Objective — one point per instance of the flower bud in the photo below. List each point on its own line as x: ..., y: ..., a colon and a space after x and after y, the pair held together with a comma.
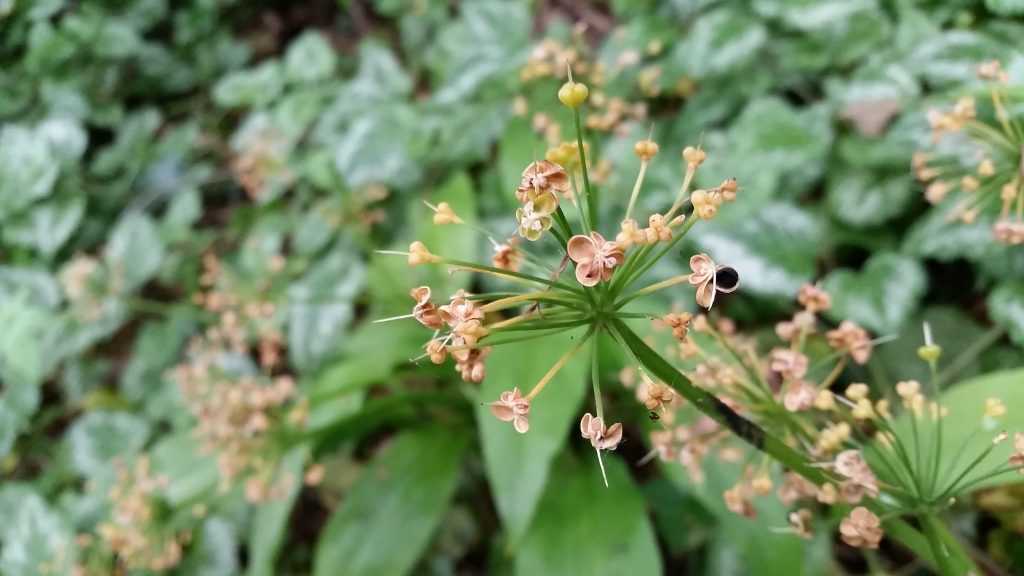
x: 929, y: 353
x: 445, y: 215
x: 646, y: 149
x: 573, y: 94
x: 418, y: 254
x: 694, y: 157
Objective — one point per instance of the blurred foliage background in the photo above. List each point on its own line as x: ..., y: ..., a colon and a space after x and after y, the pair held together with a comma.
x: 158, y: 158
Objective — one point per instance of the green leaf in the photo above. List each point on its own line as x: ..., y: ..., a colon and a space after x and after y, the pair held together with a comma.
x: 28, y: 169
x: 934, y: 236
x: 134, y: 251
x: 759, y: 549
x: 270, y: 522
x: 518, y: 465
x: 47, y: 226
x: 836, y: 32
x: 952, y: 57
x: 257, y: 86
x: 1006, y: 7
x: 310, y: 58
x: 387, y: 519
x: 381, y: 147
x: 772, y: 149
x: 881, y: 296
x: 861, y: 198
x: 97, y: 439
x: 216, y: 551
x: 583, y: 527
x: 485, y: 45
x: 189, y: 473
x: 33, y: 535
x: 455, y: 241
x: 320, y: 307
x: 720, y: 41
x: 1006, y: 306
x: 773, y: 249
x: 964, y: 424
x: 66, y: 136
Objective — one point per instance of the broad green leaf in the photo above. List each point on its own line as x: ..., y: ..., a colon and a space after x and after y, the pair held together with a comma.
x: 135, y: 135
x: 1006, y: 7
x: 215, y: 553
x: 381, y: 147
x: 28, y: 169
x: 320, y: 307
x: 518, y: 465
x: 33, y: 536
x: 270, y: 522
x: 484, y: 46
x: 964, y: 429
x: 66, y: 136
x: 47, y: 226
x: 881, y: 296
x: 837, y: 32
x: 454, y: 241
x: 1006, y: 305
x: 98, y: 439
x: 773, y: 249
x: 759, y: 547
x: 310, y: 58
x: 257, y: 86
x: 773, y: 149
x: 952, y: 57
x: 22, y: 361
x: 720, y: 41
x: 369, y: 356
x: 134, y: 251
x: 860, y: 198
x: 386, y: 521
x: 583, y: 527
x: 190, y: 473
x: 35, y: 284
x: 934, y: 236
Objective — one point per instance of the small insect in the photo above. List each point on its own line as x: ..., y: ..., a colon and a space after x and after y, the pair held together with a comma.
x: 653, y: 416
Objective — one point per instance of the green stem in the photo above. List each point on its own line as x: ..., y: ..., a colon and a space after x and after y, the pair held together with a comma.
x: 949, y: 555
x: 716, y: 409
x: 595, y: 376
x: 590, y: 194
x: 563, y: 223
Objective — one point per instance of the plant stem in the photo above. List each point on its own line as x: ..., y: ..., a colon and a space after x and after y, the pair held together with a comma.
x: 591, y: 196
x: 950, y: 557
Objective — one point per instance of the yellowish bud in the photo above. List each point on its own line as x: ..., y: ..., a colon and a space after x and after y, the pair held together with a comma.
x: 573, y: 94
x: 445, y: 215
x: 929, y: 353
x: 694, y: 156
x: 418, y: 254
x: 646, y: 149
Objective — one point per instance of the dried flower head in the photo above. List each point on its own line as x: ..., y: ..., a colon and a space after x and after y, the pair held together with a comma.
x: 595, y: 258
x: 710, y: 279
x: 861, y: 529
x: 512, y: 407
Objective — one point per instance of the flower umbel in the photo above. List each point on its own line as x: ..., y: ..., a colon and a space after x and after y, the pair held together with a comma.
x: 978, y: 151
x: 544, y: 298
